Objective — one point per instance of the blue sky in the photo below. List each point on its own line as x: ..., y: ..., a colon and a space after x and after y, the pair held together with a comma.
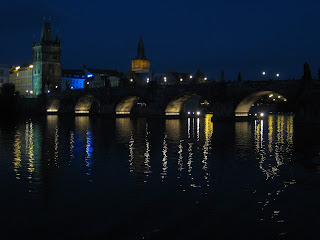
x: 230, y: 35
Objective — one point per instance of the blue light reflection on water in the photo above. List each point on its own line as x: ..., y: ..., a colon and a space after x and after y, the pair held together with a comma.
x: 119, y: 170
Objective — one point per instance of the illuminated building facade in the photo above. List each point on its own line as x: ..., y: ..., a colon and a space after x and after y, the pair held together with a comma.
x: 98, y: 78
x: 4, y: 74
x: 140, y: 64
x: 21, y: 77
x: 46, y: 62
x: 72, y: 79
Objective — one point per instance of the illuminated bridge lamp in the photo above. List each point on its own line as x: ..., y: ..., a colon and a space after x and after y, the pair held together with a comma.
x: 190, y: 76
x: 181, y: 79
x: 205, y: 79
x: 263, y: 73
x: 277, y: 75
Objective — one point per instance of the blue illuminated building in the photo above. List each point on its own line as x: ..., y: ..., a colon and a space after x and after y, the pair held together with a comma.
x: 72, y: 79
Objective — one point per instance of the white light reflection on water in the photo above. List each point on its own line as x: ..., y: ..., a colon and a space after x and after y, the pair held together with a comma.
x: 147, y: 153
x: 180, y: 159
x: 71, y: 146
x: 131, y: 154
x: 56, y: 147
x: 165, y: 157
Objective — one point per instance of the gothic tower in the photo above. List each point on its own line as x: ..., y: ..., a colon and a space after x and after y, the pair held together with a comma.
x: 141, y: 64
x: 46, y: 62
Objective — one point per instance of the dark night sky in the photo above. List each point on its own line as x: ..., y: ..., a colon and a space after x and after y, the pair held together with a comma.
x: 234, y: 35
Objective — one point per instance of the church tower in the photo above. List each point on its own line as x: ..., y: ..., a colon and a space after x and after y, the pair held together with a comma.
x: 46, y: 75
x: 141, y: 64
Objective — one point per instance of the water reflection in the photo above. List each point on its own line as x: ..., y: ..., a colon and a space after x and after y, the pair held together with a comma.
x: 17, y: 154
x: 83, y: 143
x: 29, y: 136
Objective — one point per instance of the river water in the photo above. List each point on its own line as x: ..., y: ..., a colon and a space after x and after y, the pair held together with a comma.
x: 120, y: 178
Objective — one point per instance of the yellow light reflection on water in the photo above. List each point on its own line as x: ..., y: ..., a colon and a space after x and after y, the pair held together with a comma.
x: 29, y: 135
x: 17, y: 154
x: 277, y: 147
x: 208, y: 131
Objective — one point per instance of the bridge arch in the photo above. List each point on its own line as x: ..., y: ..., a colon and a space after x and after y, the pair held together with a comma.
x: 243, y: 108
x: 53, y: 105
x: 176, y: 106
x: 125, y: 106
x: 87, y: 104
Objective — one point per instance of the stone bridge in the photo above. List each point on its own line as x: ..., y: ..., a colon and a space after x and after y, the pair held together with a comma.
x: 227, y: 99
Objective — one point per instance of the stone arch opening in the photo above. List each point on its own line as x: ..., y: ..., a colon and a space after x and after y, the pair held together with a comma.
x: 244, y: 107
x: 87, y: 104
x: 125, y: 106
x: 53, y: 105
x: 185, y: 104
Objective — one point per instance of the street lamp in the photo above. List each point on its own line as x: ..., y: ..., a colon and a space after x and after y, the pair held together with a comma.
x: 277, y: 75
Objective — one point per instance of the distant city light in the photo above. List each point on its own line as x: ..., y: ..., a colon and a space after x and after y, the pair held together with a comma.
x: 271, y: 95
x: 190, y: 76
x: 198, y: 113
x: 279, y: 97
x: 56, y: 86
x: 131, y: 80
x: 277, y: 74
x: 48, y: 91
x: 261, y: 114
x: 89, y: 75
x: 27, y: 91
x: 205, y: 79
x: 31, y: 66
x: 181, y: 79
x: 31, y: 92
x: 17, y: 68
x: 147, y: 80
x: 189, y: 113
x: 71, y: 87
x: 263, y: 73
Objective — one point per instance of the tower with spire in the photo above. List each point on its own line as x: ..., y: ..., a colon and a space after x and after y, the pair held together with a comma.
x: 141, y: 64
x: 46, y: 75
